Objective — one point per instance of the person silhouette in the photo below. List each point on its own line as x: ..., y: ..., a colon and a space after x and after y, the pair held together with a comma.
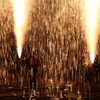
x: 32, y: 64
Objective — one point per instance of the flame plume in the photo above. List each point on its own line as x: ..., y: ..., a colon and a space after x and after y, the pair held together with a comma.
x: 20, y: 22
x: 91, y: 19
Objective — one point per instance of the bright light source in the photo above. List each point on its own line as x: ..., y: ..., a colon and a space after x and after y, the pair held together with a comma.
x: 21, y: 10
x: 19, y: 21
x: 92, y: 57
x: 91, y: 12
x: 19, y: 50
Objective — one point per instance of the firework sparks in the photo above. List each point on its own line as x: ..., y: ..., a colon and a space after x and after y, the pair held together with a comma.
x: 91, y: 18
x: 20, y: 21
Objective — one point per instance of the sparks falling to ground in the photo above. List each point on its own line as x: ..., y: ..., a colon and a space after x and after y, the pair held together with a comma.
x: 91, y: 19
x: 20, y: 21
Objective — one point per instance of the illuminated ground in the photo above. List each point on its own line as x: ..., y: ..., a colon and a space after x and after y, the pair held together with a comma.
x: 10, y: 92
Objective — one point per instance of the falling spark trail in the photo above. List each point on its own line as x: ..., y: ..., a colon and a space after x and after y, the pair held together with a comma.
x: 91, y: 18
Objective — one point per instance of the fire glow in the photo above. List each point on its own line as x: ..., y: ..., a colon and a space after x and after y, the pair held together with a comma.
x: 91, y: 18
x: 20, y: 22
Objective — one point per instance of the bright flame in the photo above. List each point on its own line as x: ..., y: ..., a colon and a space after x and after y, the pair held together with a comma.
x: 19, y: 50
x: 91, y: 19
x: 92, y: 57
x: 20, y: 21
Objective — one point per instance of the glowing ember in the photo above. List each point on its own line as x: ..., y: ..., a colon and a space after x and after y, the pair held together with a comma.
x: 92, y: 57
